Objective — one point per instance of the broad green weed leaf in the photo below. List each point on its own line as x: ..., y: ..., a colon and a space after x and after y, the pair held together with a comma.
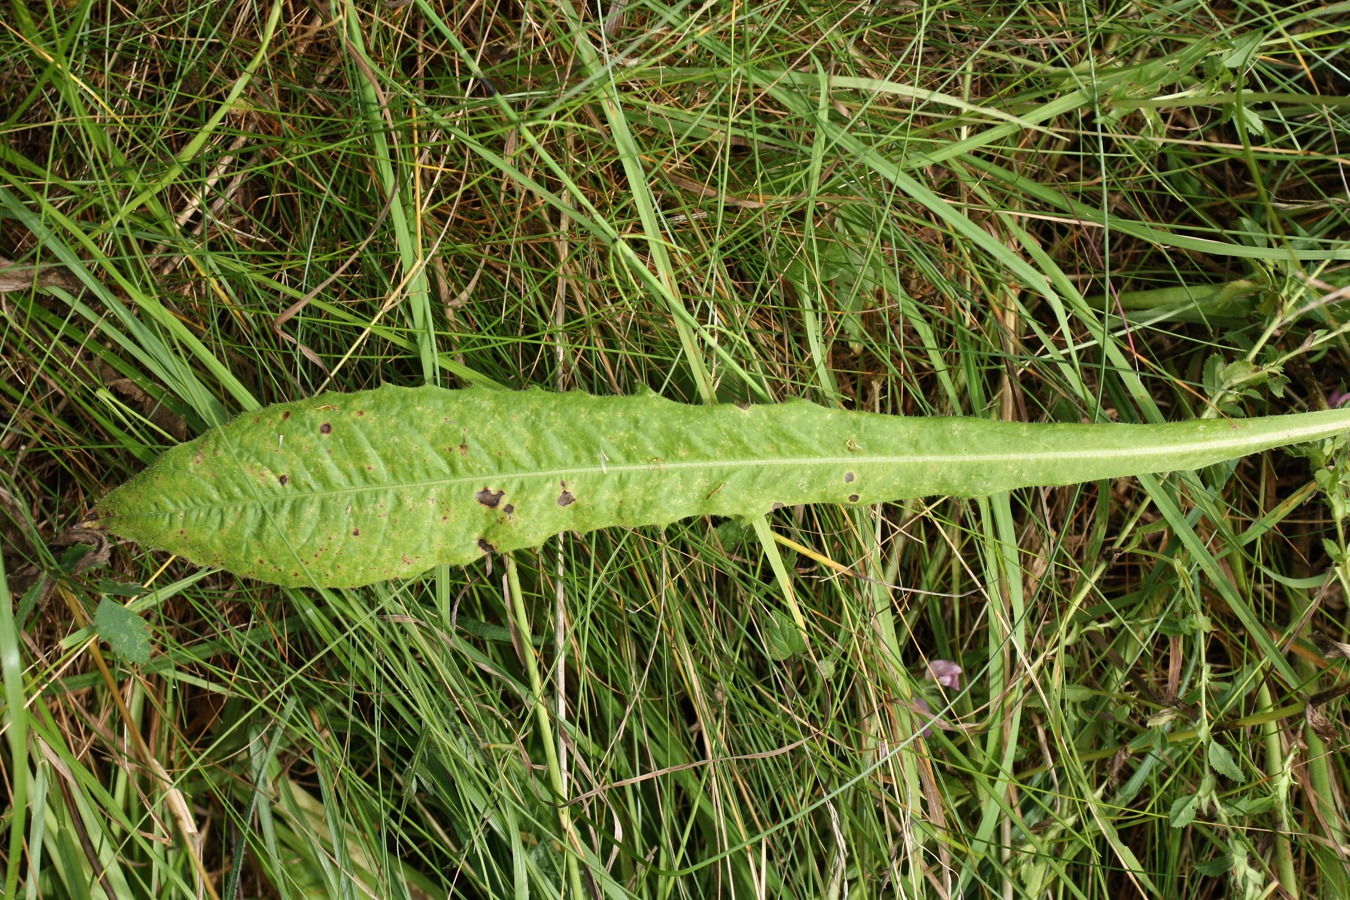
x: 126, y: 633
x: 348, y: 489
x: 71, y: 556
x: 1222, y: 761
x: 782, y: 635
x: 1183, y: 811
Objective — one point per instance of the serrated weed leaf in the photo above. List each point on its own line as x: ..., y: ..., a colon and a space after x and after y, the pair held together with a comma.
x: 127, y: 634
x: 348, y: 489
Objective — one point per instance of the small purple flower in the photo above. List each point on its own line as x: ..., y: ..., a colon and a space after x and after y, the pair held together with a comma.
x: 946, y: 673
x: 1338, y: 399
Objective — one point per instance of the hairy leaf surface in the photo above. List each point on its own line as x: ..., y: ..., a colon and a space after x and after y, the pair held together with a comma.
x: 348, y: 489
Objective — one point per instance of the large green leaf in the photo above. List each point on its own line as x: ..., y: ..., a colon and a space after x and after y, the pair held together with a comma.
x: 349, y: 489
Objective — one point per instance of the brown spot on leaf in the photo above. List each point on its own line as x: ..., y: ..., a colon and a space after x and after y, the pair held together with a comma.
x: 286, y: 415
x: 464, y: 450
x: 360, y: 412
x: 283, y: 479
x: 852, y: 498
x: 566, y: 498
x: 509, y: 509
x: 485, y: 546
x: 326, y: 428
x: 849, y: 477
x: 489, y: 498
x: 356, y: 532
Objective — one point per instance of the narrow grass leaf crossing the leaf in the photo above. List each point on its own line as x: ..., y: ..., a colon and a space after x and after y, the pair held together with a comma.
x: 344, y: 490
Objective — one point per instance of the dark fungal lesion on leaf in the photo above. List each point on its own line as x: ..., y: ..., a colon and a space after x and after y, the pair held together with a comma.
x: 282, y: 479
x: 849, y: 477
x: 489, y: 498
x: 486, y: 546
x: 566, y: 498
x: 326, y: 428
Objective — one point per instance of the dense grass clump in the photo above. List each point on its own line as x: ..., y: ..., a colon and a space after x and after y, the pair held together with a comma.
x: 1028, y: 212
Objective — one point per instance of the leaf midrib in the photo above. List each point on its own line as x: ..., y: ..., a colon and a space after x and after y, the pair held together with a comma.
x: 1235, y: 443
